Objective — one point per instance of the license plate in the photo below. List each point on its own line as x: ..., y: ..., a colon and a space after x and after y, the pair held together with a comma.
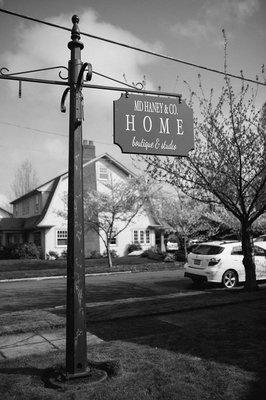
x: 196, y: 262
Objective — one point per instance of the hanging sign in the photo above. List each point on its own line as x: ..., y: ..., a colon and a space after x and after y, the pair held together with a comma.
x: 153, y: 125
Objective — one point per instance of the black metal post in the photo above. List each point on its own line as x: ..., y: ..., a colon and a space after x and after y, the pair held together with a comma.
x: 76, y: 343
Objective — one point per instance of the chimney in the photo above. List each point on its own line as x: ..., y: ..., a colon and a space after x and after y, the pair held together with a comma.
x: 88, y: 151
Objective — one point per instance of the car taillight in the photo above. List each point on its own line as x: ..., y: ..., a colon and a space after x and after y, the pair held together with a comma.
x: 213, y: 261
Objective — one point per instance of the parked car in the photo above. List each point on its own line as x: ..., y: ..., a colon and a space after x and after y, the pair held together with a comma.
x: 222, y: 262
x: 261, y: 238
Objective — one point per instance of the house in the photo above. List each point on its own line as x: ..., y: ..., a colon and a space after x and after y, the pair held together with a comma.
x: 4, y: 213
x: 38, y: 215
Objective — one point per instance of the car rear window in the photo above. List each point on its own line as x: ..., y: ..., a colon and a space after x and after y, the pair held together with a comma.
x: 237, y: 251
x: 207, y: 249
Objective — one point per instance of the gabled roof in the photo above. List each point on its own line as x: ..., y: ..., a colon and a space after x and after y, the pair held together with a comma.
x: 113, y: 161
x: 30, y: 222
x: 104, y: 156
x: 5, y: 211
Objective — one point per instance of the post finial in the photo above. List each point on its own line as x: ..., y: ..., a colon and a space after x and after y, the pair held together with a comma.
x: 75, y: 33
x: 75, y: 19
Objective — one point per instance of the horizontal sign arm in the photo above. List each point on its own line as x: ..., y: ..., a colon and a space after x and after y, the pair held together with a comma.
x: 89, y: 86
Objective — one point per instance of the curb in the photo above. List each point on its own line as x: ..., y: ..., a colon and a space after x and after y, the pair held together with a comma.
x: 42, y: 278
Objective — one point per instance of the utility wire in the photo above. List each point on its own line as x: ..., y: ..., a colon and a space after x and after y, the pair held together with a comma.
x: 40, y: 131
x: 134, y: 48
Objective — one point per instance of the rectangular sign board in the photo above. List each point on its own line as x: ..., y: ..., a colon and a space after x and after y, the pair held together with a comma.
x: 155, y: 125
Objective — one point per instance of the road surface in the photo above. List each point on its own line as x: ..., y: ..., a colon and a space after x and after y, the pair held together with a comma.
x: 23, y: 295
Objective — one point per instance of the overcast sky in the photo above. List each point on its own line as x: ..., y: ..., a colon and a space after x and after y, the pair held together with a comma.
x: 186, y: 29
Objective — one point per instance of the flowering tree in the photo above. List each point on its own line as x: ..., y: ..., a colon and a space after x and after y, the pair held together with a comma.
x: 190, y: 218
x: 110, y: 212
x: 227, y: 166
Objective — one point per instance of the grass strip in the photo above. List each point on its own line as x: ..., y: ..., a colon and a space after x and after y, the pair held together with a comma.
x: 58, y: 267
x: 147, y: 374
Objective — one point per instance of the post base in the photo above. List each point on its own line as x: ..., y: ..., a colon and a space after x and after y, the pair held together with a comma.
x: 59, y: 379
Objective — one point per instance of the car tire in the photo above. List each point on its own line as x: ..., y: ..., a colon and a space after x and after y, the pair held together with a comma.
x: 230, y: 279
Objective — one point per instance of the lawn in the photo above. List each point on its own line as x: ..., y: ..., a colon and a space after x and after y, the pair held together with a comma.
x: 14, y: 269
x: 208, y: 354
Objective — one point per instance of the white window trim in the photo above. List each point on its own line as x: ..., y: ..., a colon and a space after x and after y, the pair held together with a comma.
x: 56, y: 237
x: 99, y: 166
x: 145, y: 242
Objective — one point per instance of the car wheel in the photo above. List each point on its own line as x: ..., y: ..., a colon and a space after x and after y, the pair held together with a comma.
x: 230, y: 279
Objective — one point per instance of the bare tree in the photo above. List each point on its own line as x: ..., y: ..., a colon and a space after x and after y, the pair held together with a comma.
x: 227, y: 166
x: 110, y: 212
x: 25, y: 179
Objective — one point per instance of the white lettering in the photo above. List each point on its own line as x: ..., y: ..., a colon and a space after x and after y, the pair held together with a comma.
x: 144, y: 123
x: 168, y: 146
x: 142, y: 143
x: 173, y: 109
x: 131, y: 123
x: 138, y: 105
x: 164, y: 128
x: 180, y: 127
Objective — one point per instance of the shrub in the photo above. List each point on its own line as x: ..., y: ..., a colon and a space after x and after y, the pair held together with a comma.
x: 180, y: 255
x: 63, y: 254
x: 53, y: 255
x: 21, y: 251
x: 112, y: 252
x: 170, y: 257
x: 95, y: 254
x: 133, y: 247
x: 153, y: 253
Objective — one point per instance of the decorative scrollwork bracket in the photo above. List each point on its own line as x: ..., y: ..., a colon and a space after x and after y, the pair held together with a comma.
x: 81, y: 72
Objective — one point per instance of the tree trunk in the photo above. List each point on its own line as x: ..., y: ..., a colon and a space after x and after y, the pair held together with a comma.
x: 185, y: 246
x: 109, y: 257
x: 248, y: 260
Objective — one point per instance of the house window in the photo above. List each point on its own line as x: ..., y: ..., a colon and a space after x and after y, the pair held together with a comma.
x: 37, y: 205
x: 15, y: 210
x: 103, y: 173
x: 25, y: 207
x: 147, y: 237
x: 113, y: 240
x: 141, y: 236
x: 61, y: 238
x: 135, y: 236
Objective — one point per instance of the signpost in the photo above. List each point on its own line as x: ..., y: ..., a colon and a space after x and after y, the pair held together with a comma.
x: 144, y: 123
x: 154, y: 125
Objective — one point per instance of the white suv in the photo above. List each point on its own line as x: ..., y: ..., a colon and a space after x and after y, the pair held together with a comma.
x: 222, y: 262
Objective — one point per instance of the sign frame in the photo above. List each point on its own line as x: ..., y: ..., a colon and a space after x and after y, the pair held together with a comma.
x: 135, y: 115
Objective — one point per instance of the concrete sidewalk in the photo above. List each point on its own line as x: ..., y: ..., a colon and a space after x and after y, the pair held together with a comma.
x: 26, y: 344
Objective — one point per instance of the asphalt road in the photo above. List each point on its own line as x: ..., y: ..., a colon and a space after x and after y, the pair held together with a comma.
x: 23, y: 295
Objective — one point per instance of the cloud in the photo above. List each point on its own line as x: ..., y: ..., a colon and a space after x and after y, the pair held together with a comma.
x: 215, y: 14
x: 38, y: 46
